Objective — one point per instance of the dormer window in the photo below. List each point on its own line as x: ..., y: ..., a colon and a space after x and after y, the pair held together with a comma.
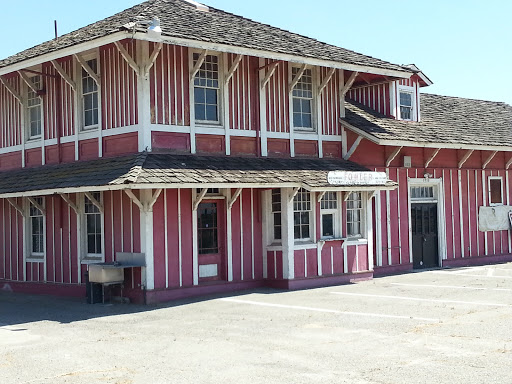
x: 407, y: 101
x: 406, y: 105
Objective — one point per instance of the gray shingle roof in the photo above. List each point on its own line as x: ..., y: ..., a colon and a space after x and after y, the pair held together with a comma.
x: 149, y: 168
x: 182, y: 20
x: 444, y: 120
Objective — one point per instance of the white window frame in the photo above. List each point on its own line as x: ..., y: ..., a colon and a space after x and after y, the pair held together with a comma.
x: 86, y: 256
x: 81, y: 104
x: 28, y: 121
x: 221, y: 89
x: 314, y: 110
x: 272, y: 220
x: 412, y: 92
x: 362, y: 218
x: 489, y: 190
x: 34, y: 256
x: 311, y: 216
x: 335, y: 212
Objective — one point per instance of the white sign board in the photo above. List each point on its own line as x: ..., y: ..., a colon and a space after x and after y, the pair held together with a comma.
x: 356, y: 178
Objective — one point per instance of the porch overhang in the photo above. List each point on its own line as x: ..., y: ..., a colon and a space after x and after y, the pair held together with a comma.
x: 145, y: 171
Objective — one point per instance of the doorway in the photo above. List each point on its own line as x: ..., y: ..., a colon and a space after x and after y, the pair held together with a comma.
x: 425, y: 244
x: 210, y: 241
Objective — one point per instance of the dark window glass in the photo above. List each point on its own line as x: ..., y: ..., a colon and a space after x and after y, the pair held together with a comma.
x: 207, y: 230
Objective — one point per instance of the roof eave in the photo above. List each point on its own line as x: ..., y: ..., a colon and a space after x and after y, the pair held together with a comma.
x: 120, y: 35
x: 422, y: 144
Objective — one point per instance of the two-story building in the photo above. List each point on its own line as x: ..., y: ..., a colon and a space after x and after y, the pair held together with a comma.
x: 234, y: 154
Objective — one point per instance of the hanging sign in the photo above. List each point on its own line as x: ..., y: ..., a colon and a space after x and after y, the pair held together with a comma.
x: 356, y: 178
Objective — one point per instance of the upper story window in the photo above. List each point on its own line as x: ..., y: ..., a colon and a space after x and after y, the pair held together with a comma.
x: 302, y: 100
x: 34, y: 109
x: 329, y: 214
x: 207, y: 90
x: 302, y: 215
x: 407, y: 102
x: 90, y: 103
x: 495, y: 190
x: 93, y: 226
x: 354, y: 215
x: 36, y: 229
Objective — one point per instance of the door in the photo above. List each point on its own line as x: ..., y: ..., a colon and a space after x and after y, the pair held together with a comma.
x: 210, y: 241
x: 424, y: 235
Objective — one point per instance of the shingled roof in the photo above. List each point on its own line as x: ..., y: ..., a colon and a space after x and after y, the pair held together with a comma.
x: 172, y: 170
x: 180, y: 19
x: 444, y: 121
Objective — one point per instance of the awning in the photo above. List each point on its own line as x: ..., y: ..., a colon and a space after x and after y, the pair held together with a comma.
x: 158, y: 170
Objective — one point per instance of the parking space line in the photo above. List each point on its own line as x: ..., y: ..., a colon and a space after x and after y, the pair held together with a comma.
x: 452, y: 287
x: 439, y: 286
x: 421, y: 299
x: 470, y: 275
x: 312, y: 309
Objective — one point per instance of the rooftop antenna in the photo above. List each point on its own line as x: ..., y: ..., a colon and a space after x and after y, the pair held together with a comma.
x: 55, y: 26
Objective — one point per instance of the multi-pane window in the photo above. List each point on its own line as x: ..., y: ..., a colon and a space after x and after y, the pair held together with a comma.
x: 207, y: 229
x: 406, y: 105
x: 34, y: 109
x: 354, y: 214
x: 90, y: 106
x: 301, y: 214
x: 276, y: 213
x: 422, y: 193
x: 207, y: 89
x: 93, y: 228
x: 36, y: 228
x: 302, y: 99
x: 328, y: 208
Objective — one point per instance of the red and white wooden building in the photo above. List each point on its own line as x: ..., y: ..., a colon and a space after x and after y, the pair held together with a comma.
x: 208, y: 150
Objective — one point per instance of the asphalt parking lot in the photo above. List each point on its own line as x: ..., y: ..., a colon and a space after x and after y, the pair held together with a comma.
x: 440, y: 326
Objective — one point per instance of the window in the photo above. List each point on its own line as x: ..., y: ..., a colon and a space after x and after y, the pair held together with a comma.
x: 302, y: 100
x: 209, y: 191
x: 276, y: 213
x: 406, y: 99
x: 354, y: 214
x: 36, y: 222
x: 495, y: 190
x: 207, y: 90
x: 93, y: 227
x: 328, y: 210
x: 207, y: 229
x: 422, y: 193
x: 301, y: 215
x: 90, y: 104
x: 34, y: 109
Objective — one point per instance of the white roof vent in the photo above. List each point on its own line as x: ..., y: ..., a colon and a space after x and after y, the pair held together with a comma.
x: 199, y: 6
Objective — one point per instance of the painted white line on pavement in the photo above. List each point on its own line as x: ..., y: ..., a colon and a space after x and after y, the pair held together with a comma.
x: 298, y: 307
x: 452, y: 287
x: 439, y: 286
x: 420, y: 299
x: 467, y: 274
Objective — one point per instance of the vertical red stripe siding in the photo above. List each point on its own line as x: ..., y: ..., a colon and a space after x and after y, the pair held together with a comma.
x: 169, y: 86
x: 10, y: 114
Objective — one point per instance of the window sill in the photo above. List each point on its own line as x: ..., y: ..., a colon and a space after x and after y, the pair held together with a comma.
x: 304, y: 245
x: 90, y: 260
x: 35, y: 259
x: 356, y: 241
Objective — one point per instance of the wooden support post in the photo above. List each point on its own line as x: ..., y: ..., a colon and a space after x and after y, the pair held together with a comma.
x: 465, y: 157
x: 429, y: 160
x: 393, y: 156
x: 353, y: 148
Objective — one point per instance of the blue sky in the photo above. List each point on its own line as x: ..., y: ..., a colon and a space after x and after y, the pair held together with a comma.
x: 464, y: 47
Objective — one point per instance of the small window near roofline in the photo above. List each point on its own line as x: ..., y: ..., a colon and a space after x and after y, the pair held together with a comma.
x: 495, y: 190
x: 406, y: 106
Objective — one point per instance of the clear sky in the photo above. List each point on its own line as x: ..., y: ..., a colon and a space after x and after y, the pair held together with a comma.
x: 463, y: 46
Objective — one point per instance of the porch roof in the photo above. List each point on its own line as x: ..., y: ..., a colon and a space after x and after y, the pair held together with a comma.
x: 157, y: 170
x: 446, y: 122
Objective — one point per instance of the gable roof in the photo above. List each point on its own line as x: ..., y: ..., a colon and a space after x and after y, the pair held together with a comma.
x: 160, y: 170
x: 446, y: 122
x: 181, y: 19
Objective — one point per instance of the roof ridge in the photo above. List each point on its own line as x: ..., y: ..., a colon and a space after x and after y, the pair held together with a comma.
x: 136, y: 169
